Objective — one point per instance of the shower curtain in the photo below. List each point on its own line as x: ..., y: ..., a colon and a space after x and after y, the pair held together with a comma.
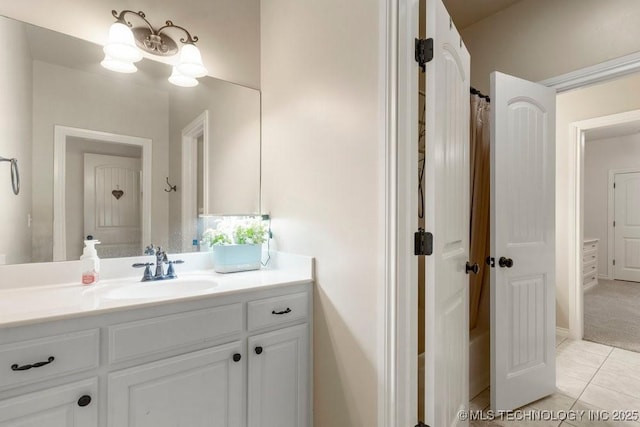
x: 480, y: 203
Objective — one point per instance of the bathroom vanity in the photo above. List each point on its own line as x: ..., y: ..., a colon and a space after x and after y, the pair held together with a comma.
x: 205, y: 350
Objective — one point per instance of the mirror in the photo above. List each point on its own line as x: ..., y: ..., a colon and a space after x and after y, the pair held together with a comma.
x: 128, y: 158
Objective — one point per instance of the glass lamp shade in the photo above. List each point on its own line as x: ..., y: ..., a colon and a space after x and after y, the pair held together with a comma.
x: 190, y: 63
x: 179, y: 79
x: 121, y: 45
x: 119, y: 66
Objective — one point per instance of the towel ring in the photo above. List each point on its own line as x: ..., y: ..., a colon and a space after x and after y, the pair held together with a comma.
x: 15, y: 174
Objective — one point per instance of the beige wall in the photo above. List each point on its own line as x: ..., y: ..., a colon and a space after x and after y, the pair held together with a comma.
x: 15, y: 142
x: 594, y: 101
x: 600, y: 157
x: 229, y: 30
x: 62, y: 96
x: 538, y: 39
x: 322, y: 182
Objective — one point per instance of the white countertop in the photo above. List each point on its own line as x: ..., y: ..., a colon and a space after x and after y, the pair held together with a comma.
x: 20, y: 305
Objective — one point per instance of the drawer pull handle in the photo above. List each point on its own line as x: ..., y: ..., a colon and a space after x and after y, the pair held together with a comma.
x: 33, y: 365
x: 84, y: 401
x: 258, y: 350
x: 237, y: 357
x: 288, y: 310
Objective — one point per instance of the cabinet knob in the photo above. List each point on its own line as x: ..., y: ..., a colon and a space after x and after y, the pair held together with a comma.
x: 84, y: 400
x: 258, y: 350
x: 505, y: 262
x: 237, y: 357
x: 472, y: 268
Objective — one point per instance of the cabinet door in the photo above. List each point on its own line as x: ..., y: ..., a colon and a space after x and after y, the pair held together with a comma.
x: 200, y: 389
x: 278, y: 378
x: 54, y: 407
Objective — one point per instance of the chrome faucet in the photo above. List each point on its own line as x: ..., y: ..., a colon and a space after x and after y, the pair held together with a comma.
x: 161, y: 259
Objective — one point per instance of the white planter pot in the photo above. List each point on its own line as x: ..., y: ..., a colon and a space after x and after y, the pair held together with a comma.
x: 232, y: 258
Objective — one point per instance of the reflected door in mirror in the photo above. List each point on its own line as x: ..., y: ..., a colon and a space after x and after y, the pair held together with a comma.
x: 112, y: 204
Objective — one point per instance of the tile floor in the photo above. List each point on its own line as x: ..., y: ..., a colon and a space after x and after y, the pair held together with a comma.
x: 589, y: 376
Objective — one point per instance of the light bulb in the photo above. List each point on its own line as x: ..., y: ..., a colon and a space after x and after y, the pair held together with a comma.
x: 119, y: 66
x: 121, y: 45
x: 179, y: 79
x: 190, y: 63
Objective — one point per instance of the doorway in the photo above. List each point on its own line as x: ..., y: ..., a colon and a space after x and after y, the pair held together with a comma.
x: 70, y: 145
x: 611, y: 247
x: 195, y: 179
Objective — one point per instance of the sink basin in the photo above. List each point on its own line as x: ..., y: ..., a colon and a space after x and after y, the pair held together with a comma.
x: 161, y: 288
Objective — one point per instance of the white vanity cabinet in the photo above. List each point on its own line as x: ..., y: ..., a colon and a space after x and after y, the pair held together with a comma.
x: 190, y: 363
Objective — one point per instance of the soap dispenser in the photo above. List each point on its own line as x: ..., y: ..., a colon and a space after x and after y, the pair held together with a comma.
x: 90, y: 262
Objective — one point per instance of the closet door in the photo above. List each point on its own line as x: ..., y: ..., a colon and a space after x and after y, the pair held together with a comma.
x: 523, y: 320
x: 447, y: 210
x: 627, y: 226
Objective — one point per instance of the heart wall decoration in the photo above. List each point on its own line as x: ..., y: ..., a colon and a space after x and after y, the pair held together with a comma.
x: 117, y: 194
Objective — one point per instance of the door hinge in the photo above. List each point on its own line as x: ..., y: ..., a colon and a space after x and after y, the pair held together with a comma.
x: 424, y: 52
x: 614, y: 262
x: 422, y: 242
x: 614, y: 223
x: 614, y: 185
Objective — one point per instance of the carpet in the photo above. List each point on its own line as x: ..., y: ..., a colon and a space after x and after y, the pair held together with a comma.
x: 612, y: 314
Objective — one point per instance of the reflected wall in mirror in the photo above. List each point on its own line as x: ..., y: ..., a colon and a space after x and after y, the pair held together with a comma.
x: 83, y: 134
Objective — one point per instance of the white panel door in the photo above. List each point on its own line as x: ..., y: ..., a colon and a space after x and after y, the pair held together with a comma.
x: 278, y: 378
x: 200, y: 389
x: 523, y: 321
x: 627, y: 227
x: 55, y: 407
x: 447, y: 205
x: 112, y: 201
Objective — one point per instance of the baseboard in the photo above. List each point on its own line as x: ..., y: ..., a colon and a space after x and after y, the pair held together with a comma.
x: 562, y: 332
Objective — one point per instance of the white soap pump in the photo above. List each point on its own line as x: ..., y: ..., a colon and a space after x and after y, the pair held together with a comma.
x: 90, y: 262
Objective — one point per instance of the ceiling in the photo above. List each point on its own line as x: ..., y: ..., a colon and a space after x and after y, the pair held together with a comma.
x: 468, y: 12
x: 612, y: 131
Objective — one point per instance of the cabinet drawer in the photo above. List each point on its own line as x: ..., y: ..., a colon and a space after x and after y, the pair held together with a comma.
x: 52, y: 356
x: 587, y: 279
x: 142, y: 338
x: 590, y: 267
x: 589, y: 256
x: 591, y: 246
x: 272, y: 311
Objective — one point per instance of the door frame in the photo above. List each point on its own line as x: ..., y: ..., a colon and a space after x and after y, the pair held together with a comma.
x: 189, y: 185
x: 576, y: 215
x: 611, y: 248
x: 61, y: 133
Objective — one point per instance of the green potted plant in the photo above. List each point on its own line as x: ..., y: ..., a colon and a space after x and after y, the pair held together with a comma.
x: 236, y: 244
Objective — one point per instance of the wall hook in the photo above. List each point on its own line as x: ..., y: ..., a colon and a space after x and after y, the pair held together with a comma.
x: 171, y: 187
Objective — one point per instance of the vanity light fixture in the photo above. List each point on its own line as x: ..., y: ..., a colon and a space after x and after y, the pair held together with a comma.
x: 127, y: 42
